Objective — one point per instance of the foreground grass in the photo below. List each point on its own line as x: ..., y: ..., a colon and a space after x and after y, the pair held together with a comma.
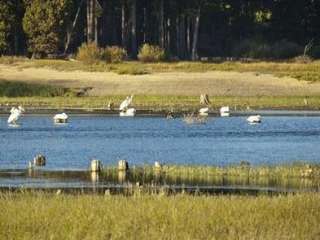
x: 46, y: 216
x: 166, y: 103
x: 300, y: 71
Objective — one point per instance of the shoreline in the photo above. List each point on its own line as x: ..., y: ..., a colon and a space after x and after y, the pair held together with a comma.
x: 158, y: 113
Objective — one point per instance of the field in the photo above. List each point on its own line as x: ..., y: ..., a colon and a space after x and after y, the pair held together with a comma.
x: 160, y: 86
x: 49, y: 216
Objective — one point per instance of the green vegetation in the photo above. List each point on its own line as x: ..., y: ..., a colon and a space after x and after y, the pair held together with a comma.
x: 20, y: 89
x: 93, y: 55
x: 151, y: 53
x: 44, y: 23
x: 166, y: 103
x: 47, y: 216
x: 297, y: 170
x: 298, y: 176
x: 6, y: 24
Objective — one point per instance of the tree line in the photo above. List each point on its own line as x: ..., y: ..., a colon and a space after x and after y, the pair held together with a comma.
x: 185, y: 29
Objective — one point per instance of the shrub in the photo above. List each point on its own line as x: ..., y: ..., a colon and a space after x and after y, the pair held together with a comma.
x: 151, y: 53
x: 90, y: 53
x: 114, y: 54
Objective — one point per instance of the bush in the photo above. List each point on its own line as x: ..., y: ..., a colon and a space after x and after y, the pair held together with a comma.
x: 151, y: 53
x: 90, y: 53
x: 114, y: 54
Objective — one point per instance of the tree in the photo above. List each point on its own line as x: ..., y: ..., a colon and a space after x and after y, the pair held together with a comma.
x: 45, y: 25
x: 7, y: 19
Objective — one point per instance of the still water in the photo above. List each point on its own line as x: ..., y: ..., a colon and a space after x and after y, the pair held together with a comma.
x: 143, y: 140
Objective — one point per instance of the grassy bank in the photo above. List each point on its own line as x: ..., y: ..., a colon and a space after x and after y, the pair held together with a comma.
x: 21, y: 89
x: 298, y: 176
x: 47, y: 216
x: 300, y: 71
x: 175, y: 103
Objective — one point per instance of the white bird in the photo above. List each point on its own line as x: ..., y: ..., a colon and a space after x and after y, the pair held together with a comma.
x: 61, y: 118
x: 129, y: 112
x: 15, y: 115
x: 125, y: 111
x: 204, y: 111
x: 225, y: 111
x: 126, y: 103
x: 254, y: 119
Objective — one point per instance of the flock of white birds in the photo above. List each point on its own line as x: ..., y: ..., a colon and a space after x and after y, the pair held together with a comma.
x: 125, y: 111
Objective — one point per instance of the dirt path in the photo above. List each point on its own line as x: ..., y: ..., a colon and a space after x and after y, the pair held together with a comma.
x: 171, y: 83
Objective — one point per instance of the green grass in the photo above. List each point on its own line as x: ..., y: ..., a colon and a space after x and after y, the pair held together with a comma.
x: 294, y: 176
x: 20, y: 89
x: 48, y: 216
x: 300, y: 71
x: 175, y: 103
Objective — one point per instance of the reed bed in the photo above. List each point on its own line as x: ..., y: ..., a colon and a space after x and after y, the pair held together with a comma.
x: 41, y: 215
x: 299, y: 176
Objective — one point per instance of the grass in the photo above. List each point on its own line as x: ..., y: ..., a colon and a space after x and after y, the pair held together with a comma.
x: 298, y: 176
x: 20, y: 89
x: 300, y: 71
x: 47, y: 216
x: 166, y: 103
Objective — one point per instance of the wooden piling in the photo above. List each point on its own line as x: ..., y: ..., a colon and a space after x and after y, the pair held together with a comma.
x: 96, y: 165
x: 123, y: 165
x: 39, y: 160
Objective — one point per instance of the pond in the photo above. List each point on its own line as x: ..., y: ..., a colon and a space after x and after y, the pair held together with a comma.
x: 143, y: 140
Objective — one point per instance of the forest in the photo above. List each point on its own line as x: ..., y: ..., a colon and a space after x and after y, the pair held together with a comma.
x: 184, y: 29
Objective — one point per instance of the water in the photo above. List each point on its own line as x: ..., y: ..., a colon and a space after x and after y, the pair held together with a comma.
x: 143, y: 140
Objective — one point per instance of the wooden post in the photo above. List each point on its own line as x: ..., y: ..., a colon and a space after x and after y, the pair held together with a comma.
x: 39, y: 160
x: 95, y: 166
x: 123, y: 165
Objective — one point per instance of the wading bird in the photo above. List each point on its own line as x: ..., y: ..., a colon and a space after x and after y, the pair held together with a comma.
x: 125, y: 111
x: 60, y: 118
x: 254, y: 119
x: 15, y: 114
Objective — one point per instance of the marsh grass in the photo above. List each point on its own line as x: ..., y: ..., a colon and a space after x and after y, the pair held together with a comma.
x: 21, y: 89
x: 166, y: 103
x: 40, y: 215
x: 280, y: 174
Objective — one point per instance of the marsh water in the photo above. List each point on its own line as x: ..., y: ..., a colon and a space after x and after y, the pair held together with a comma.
x: 144, y: 140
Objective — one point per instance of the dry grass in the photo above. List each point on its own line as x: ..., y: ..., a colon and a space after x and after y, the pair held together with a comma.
x: 214, y: 83
x: 46, y: 216
x: 301, y: 71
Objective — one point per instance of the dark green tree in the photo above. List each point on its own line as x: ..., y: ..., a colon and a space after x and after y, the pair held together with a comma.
x: 45, y: 25
x: 7, y: 19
